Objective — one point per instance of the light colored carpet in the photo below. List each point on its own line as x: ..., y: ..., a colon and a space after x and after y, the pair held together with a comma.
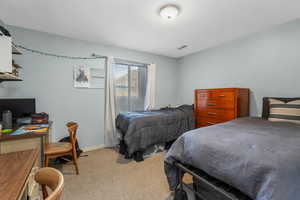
x: 105, y: 175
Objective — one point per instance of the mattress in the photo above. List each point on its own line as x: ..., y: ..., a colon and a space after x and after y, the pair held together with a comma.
x: 142, y: 129
x: 258, y: 157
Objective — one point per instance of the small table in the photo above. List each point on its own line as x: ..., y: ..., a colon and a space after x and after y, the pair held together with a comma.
x: 12, y: 143
x: 15, y: 173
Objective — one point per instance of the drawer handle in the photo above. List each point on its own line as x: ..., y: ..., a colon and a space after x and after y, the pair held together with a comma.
x: 211, y: 104
x: 211, y: 113
x: 222, y: 95
x: 211, y: 123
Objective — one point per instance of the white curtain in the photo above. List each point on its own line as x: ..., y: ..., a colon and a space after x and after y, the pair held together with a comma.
x: 110, y: 132
x: 150, y: 89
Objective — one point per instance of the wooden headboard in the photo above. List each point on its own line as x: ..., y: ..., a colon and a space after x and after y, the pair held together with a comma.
x: 266, y: 106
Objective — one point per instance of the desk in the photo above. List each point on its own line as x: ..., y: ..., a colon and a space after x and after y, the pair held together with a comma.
x: 12, y: 143
x: 15, y: 173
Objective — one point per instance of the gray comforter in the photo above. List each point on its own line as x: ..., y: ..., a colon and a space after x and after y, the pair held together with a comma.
x: 143, y: 129
x: 258, y: 157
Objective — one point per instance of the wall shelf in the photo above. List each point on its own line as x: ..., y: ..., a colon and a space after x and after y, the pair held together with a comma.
x: 8, y: 77
x: 15, y: 50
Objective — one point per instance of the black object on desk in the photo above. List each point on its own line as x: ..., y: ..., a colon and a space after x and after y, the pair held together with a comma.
x: 18, y: 107
x: 6, y: 119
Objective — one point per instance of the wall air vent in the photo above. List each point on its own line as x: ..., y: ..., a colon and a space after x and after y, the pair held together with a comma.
x: 182, y: 47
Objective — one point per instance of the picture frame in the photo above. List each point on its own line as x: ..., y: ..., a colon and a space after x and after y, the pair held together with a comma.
x: 89, y: 77
x: 81, y: 76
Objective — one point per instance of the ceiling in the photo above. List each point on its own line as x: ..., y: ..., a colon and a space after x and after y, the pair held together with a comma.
x: 135, y: 24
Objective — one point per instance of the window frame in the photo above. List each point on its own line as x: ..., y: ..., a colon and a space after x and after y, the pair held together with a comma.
x: 129, y: 66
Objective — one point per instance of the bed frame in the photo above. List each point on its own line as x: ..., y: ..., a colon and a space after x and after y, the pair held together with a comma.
x: 138, y: 156
x: 206, y: 187
x: 266, y: 104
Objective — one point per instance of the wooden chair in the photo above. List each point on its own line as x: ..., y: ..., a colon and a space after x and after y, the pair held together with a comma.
x: 52, y: 178
x: 54, y: 150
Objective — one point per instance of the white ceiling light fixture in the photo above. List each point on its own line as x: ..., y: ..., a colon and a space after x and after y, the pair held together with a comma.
x: 169, y: 12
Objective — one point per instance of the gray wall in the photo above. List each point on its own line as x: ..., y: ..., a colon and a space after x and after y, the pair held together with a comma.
x: 50, y: 81
x: 268, y: 63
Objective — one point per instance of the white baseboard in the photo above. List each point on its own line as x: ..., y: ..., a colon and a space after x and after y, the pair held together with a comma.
x: 92, y: 148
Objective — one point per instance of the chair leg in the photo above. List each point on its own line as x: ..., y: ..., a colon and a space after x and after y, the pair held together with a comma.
x: 45, y: 192
x: 74, y: 155
x: 46, y: 164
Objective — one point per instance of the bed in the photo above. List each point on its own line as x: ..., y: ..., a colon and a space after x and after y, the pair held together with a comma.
x: 248, y: 158
x: 140, y: 130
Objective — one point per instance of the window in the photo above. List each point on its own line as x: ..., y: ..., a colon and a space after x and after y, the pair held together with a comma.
x: 130, y: 81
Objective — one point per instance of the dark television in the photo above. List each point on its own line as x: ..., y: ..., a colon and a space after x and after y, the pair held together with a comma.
x: 18, y: 107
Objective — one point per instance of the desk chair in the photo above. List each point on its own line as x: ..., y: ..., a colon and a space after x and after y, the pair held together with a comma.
x: 52, y: 178
x: 58, y: 149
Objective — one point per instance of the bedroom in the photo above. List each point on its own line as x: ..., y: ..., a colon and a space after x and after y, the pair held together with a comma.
x: 229, y: 44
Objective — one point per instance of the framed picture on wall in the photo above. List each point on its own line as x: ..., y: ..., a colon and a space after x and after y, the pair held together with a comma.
x: 81, y: 76
x: 89, y: 77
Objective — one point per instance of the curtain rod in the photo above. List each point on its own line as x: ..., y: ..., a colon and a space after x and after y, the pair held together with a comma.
x: 120, y: 59
x: 133, y: 65
x: 98, y: 56
x: 133, y: 62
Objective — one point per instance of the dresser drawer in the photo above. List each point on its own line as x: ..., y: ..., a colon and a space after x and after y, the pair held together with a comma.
x: 206, y: 121
x: 207, y: 95
x: 215, y: 100
x: 216, y: 104
x: 213, y: 95
x: 225, y: 96
x: 209, y: 121
x: 220, y: 114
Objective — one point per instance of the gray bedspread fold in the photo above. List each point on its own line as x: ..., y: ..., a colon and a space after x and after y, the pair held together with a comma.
x: 143, y: 129
x: 258, y: 157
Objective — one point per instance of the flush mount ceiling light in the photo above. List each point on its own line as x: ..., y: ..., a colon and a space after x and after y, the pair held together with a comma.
x: 169, y: 12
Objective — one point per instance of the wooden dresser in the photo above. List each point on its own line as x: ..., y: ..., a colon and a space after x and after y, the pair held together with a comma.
x: 213, y: 106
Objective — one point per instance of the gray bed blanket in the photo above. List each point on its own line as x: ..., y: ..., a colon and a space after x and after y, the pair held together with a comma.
x: 143, y: 129
x: 258, y: 157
